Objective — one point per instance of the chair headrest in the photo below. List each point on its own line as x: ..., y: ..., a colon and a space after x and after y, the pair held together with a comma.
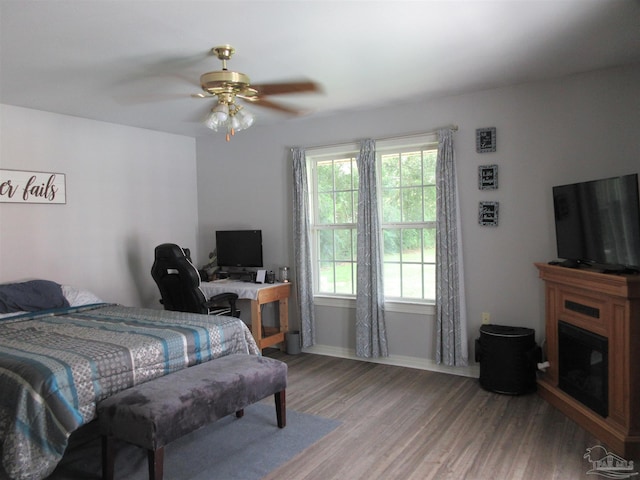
x: 169, y: 250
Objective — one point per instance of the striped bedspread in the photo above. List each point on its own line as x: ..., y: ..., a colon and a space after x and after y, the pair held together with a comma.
x: 55, y: 367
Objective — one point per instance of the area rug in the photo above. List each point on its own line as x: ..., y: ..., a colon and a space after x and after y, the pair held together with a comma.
x: 246, y: 448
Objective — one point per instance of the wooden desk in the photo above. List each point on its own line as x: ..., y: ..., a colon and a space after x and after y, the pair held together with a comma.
x: 259, y: 294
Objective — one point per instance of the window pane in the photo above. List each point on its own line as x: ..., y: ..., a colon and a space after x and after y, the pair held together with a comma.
x: 391, y: 238
x: 391, y: 205
x: 411, y: 245
x: 390, y: 171
x: 411, y: 169
x: 354, y: 245
x: 325, y: 245
x: 429, y: 166
x: 354, y: 276
x: 343, y: 177
x: 392, y: 281
x: 343, y: 245
x: 344, y: 207
x: 430, y: 204
x: 412, y: 204
x: 344, y: 278
x: 325, y: 176
x: 326, y: 208
x: 430, y: 282
x: 429, y: 244
x: 411, y: 281
x: 356, y: 179
x: 327, y: 283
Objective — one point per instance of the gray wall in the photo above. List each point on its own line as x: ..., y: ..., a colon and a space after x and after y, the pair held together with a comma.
x: 128, y: 190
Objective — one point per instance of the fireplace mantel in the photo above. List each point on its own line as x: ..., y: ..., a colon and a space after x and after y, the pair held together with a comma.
x: 608, y: 305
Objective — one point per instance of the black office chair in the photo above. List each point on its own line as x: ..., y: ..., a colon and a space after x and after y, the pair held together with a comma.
x: 179, y: 284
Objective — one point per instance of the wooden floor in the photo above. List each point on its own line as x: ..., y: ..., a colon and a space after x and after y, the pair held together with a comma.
x: 402, y: 423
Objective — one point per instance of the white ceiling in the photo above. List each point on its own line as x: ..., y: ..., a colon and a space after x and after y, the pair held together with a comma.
x: 136, y: 62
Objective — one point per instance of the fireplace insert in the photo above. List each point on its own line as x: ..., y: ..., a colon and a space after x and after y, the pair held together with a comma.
x: 583, y: 366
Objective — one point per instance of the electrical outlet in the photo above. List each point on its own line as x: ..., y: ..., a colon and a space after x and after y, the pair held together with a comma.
x: 486, y: 317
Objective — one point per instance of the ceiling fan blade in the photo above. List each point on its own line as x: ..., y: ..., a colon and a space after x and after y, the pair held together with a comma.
x: 286, y: 87
x: 261, y: 102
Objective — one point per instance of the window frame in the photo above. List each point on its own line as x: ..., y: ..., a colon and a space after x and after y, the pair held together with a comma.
x: 316, y: 155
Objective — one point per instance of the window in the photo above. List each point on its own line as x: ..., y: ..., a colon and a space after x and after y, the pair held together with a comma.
x: 407, y: 196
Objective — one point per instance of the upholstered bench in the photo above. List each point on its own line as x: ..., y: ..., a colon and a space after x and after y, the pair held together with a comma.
x: 155, y: 413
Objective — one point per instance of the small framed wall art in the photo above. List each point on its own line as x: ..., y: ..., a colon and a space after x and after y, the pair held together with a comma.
x: 488, y: 214
x: 486, y: 140
x: 488, y: 177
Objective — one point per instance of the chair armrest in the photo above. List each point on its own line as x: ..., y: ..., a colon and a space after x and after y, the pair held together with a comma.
x: 224, y: 297
x: 221, y: 297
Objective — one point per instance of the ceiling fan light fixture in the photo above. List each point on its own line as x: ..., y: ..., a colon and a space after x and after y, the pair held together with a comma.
x: 228, y: 114
x: 235, y: 123
x: 221, y: 111
x: 245, y: 118
x: 228, y: 86
x: 212, y: 121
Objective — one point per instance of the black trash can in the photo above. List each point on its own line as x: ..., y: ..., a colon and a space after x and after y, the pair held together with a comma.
x: 508, y: 359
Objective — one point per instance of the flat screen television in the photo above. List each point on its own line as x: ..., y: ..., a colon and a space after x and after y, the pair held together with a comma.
x: 239, y: 248
x: 598, y: 223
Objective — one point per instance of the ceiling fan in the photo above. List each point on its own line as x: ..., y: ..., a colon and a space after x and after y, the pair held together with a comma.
x: 227, y: 86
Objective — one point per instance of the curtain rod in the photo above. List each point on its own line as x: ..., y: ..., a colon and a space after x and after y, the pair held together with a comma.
x: 452, y: 127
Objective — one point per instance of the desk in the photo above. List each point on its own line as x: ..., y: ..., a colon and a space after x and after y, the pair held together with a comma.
x: 259, y: 294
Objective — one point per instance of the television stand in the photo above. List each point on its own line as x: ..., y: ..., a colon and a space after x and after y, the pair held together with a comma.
x: 608, y: 306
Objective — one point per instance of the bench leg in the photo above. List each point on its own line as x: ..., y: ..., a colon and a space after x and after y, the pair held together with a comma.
x: 156, y: 463
x: 281, y: 408
x: 108, y: 458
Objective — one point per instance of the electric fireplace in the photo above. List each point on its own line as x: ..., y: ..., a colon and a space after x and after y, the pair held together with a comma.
x: 592, y: 345
x: 583, y: 367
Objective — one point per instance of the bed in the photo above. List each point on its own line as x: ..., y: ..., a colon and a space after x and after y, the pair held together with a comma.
x: 57, y: 363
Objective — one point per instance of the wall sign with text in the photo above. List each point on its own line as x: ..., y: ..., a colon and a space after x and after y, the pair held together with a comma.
x: 17, y: 186
x: 488, y: 177
x: 488, y: 214
x: 486, y: 140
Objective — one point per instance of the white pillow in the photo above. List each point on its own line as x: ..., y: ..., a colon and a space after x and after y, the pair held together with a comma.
x: 77, y: 297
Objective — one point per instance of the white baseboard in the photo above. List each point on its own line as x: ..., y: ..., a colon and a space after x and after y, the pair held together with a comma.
x: 397, y: 360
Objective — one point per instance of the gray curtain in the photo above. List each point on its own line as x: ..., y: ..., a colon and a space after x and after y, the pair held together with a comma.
x: 302, y: 249
x: 451, y: 320
x: 371, y: 333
